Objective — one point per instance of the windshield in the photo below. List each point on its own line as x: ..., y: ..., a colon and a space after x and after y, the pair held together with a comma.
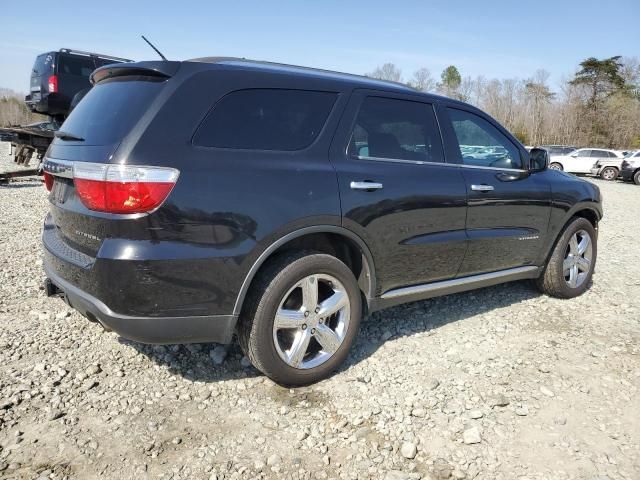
x: 43, y: 64
x: 111, y: 109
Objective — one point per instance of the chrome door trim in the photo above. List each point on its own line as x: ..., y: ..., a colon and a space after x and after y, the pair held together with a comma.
x: 442, y: 164
x: 460, y: 283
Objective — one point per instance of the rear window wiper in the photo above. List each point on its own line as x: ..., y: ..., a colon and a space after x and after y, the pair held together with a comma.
x: 68, y: 136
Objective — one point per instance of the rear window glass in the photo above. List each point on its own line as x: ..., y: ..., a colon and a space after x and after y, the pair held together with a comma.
x: 266, y: 119
x: 43, y: 63
x: 111, y: 108
x: 81, y: 66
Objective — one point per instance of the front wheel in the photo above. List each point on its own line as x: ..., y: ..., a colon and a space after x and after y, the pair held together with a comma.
x: 570, y: 267
x: 609, y: 173
x: 556, y: 166
x: 636, y: 178
x: 301, y: 318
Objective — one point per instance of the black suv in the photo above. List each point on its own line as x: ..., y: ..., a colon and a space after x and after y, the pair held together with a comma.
x: 194, y: 200
x: 58, y: 76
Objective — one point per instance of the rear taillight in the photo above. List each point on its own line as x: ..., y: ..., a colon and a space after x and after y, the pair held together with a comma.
x: 123, y: 188
x: 53, y: 84
x: 48, y: 181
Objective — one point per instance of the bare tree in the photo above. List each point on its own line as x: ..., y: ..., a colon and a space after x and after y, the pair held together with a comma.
x: 388, y: 71
x: 422, y: 80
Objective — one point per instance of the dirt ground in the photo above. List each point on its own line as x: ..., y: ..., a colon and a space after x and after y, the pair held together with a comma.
x: 500, y: 383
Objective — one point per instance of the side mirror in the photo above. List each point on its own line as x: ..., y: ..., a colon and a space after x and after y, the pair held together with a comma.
x: 538, y: 159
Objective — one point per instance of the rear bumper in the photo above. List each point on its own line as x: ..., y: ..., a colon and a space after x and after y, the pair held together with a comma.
x: 595, y: 170
x: 158, y: 330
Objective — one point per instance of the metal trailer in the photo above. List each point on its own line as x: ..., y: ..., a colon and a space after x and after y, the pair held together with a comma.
x: 28, y: 145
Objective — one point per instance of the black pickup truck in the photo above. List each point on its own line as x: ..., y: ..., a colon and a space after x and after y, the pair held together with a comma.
x: 57, y: 77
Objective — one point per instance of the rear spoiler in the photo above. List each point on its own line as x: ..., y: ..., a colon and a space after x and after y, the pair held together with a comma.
x: 147, y: 69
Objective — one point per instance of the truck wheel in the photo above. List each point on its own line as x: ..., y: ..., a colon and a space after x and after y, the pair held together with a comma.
x: 609, y: 173
x: 570, y: 267
x: 300, y: 318
x: 636, y: 178
x: 556, y: 166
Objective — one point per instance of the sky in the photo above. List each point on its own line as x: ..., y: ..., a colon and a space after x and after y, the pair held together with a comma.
x: 496, y: 39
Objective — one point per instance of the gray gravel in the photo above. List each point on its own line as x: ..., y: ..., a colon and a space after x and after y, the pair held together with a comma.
x: 500, y: 383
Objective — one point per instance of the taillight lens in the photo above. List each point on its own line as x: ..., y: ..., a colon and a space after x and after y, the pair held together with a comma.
x: 48, y: 181
x: 53, y: 84
x: 123, y: 188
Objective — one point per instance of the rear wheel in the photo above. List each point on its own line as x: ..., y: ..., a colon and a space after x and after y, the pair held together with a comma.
x: 609, y: 173
x: 556, y: 166
x: 636, y: 178
x: 301, y: 318
x: 570, y: 267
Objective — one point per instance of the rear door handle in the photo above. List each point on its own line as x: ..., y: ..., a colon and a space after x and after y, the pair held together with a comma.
x: 365, y: 185
x: 482, y: 188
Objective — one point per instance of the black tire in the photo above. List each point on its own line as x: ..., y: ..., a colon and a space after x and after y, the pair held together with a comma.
x: 556, y: 166
x: 636, y: 178
x: 255, y: 331
x: 552, y: 281
x: 609, y: 173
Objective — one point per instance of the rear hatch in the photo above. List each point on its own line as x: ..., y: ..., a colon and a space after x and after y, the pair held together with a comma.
x: 43, y: 68
x: 116, y: 108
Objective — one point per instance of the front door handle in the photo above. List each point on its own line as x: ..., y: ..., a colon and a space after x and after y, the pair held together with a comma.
x: 482, y: 188
x: 366, y: 185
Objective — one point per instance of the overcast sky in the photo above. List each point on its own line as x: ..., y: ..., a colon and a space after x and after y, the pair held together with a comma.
x: 497, y: 39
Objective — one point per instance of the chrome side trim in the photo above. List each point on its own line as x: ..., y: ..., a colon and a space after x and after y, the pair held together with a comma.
x: 463, y: 283
x: 59, y: 168
x: 442, y: 164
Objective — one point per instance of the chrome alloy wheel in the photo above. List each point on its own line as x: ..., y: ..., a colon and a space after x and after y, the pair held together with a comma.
x: 609, y: 174
x: 577, y: 259
x: 311, y: 321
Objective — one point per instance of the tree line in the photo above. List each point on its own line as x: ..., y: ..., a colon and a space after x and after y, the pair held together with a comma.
x: 13, y: 110
x: 599, y: 106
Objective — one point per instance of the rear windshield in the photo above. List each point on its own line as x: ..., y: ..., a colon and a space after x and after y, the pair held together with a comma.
x: 43, y: 63
x: 110, y: 110
x: 266, y: 119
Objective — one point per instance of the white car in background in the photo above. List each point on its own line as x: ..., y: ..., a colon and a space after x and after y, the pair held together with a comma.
x: 583, y: 160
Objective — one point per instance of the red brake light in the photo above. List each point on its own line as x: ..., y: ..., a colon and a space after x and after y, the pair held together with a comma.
x: 53, y: 84
x: 48, y: 181
x: 123, y: 188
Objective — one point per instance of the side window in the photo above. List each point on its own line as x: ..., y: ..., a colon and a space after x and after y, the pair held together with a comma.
x: 71, y: 65
x: 266, y: 119
x: 388, y: 128
x: 481, y: 144
x: 584, y: 153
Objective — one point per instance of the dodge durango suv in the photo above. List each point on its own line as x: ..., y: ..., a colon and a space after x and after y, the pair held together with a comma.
x: 194, y: 201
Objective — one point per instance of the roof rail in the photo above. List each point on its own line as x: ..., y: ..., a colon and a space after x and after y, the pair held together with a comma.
x: 92, y: 54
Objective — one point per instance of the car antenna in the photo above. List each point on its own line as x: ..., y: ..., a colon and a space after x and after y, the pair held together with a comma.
x: 151, y: 45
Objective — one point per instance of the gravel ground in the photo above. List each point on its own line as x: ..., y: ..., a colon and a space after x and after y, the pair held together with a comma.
x: 500, y: 383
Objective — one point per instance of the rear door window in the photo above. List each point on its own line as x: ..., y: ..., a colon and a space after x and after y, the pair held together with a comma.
x: 74, y: 65
x: 394, y: 129
x: 266, y: 119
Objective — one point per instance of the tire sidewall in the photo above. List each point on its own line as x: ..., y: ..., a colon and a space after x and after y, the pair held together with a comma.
x: 557, y: 259
x: 636, y: 178
x: 615, y: 173
x: 283, y: 281
x: 556, y: 166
